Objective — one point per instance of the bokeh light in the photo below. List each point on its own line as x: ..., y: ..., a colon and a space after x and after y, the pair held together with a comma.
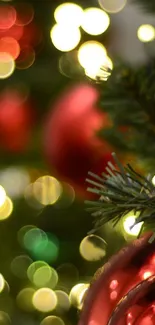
x: 21, y: 233
x: 26, y: 57
x: 25, y: 13
x: 52, y: 320
x: 4, y: 318
x: 146, y: 33
x: 63, y: 301
x: 41, y: 246
x: 2, y: 196
x: 68, y: 275
x: 77, y: 294
x: 95, y: 21
x: 67, y: 197
x: 7, y: 65
x: 7, y: 16
x: 30, y: 198
x: 6, y: 209
x: 47, y: 190
x: 69, y: 13
x: 93, y: 248
x: 153, y: 180
x: 15, y: 32
x: 10, y: 45
x: 42, y: 275
x: 91, y: 56
x: 2, y: 282
x: 65, y: 37
x: 24, y: 299
x: 112, y: 6
x: 129, y: 222
x: 44, y: 300
x: 14, y: 180
x: 19, y: 266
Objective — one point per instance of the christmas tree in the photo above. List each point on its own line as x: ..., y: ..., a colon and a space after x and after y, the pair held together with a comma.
x: 69, y: 99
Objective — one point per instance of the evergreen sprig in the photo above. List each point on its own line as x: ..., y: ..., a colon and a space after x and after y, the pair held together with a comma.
x: 121, y: 190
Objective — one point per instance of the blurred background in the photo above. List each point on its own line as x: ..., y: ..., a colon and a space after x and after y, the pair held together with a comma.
x: 51, y: 54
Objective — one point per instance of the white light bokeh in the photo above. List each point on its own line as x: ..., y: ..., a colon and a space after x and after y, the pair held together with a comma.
x: 14, y: 180
x: 69, y: 13
x: 65, y: 37
x: 95, y: 21
x: 146, y: 33
x: 2, y: 196
x: 112, y: 6
x: 129, y: 222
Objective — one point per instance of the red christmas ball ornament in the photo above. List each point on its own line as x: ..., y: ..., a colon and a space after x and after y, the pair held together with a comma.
x: 121, y: 295
x: 16, y: 118
x: 71, y: 144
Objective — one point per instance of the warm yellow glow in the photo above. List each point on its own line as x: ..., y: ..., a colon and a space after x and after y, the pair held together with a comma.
x: 2, y: 196
x: 65, y: 37
x: 95, y: 21
x: 24, y: 299
x: 4, y: 318
x: 47, y: 190
x: 112, y: 6
x: 7, y: 65
x: 6, y: 209
x: 91, y: 53
x: 129, y: 222
x: 69, y: 13
x: 63, y: 302
x: 146, y: 33
x: 93, y: 248
x: 52, y: 320
x: 11, y: 176
x: 102, y: 72
x: 77, y: 294
x: 2, y: 282
x: 44, y: 300
x: 153, y: 180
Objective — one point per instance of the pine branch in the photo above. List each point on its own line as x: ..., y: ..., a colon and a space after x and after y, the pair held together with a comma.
x: 121, y: 190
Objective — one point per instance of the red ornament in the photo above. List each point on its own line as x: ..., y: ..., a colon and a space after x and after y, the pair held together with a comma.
x: 72, y: 146
x: 120, y: 296
x: 15, y: 121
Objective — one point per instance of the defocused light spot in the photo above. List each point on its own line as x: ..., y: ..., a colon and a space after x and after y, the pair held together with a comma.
x: 10, y: 45
x: 4, y: 318
x: 26, y: 58
x: 153, y: 180
x: 101, y: 73
x: 63, y: 302
x: 30, y: 198
x: 19, y: 266
x: 67, y: 197
x: 69, y: 13
x: 2, y: 282
x: 146, y: 33
x: 95, y: 21
x: 47, y: 190
x: 112, y: 6
x: 68, y: 274
x: 52, y: 320
x: 146, y: 272
x: 14, y: 32
x: 93, y: 248
x: 25, y: 13
x: 91, y: 56
x: 41, y: 246
x: 14, y: 180
x: 7, y: 65
x: 65, y: 38
x: 129, y: 222
x: 34, y: 267
x: 24, y: 299
x: 77, y: 294
x: 2, y: 196
x: 7, y: 16
x: 6, y: 209
x: 45, y: 276
x: 44, y: 300
x: 22, y: 232
x: 113, y: 284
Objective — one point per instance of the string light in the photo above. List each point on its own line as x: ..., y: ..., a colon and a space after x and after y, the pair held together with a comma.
x: 65, y: 37
x: 112, y: 6
x: 69, y: 13
x: 146, y: 33
x: 129, y: 222
x: 95, y: 21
